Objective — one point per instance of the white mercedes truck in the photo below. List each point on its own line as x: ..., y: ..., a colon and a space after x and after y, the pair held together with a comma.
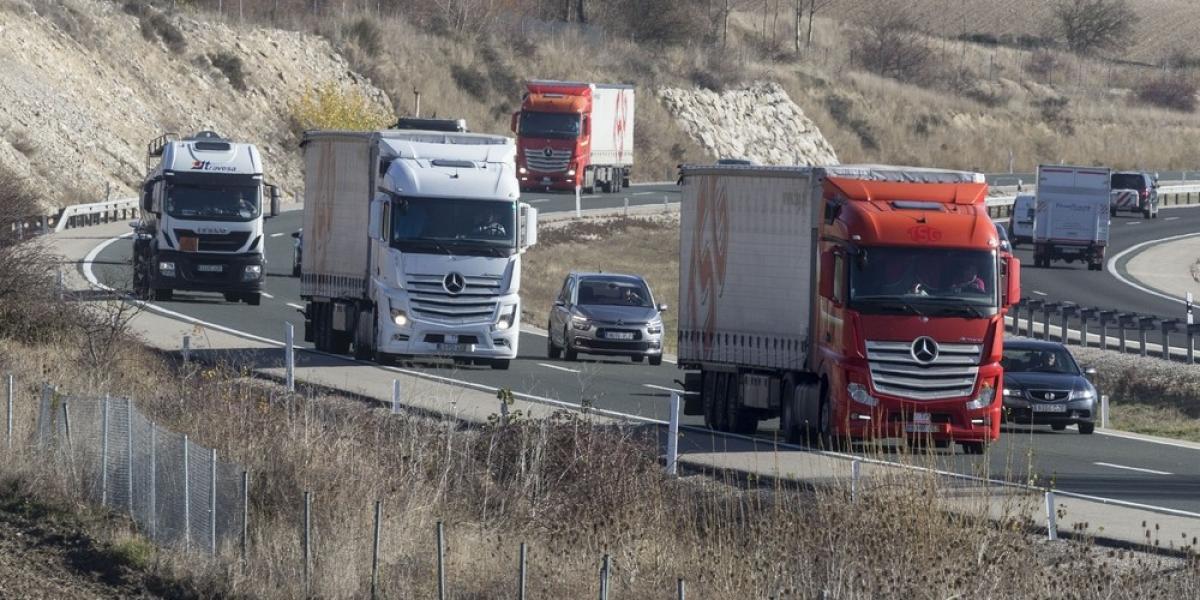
x: 412, y: 245
x: 201, y: 219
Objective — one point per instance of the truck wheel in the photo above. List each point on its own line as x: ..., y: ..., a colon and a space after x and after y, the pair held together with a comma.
x: 721, y: 402
x: 163, y: 294
x: 499, y: 364
x: 339, y: 342
x: 253, y: 299
x: 320, y: 333
x: 789, y: 425
x: 552, y: 349
x: 738, y: 418
x: 362, y: 349
x: 1112, y: 212
x: 708, y: 398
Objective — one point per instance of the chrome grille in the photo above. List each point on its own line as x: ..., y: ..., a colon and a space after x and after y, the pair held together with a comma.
x: 557, y: 162
x: 429, y: 299
x: 1048, y: 395
x: 895, y: 372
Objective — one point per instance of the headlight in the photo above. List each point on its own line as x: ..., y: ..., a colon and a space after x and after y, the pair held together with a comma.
x: 570, y: 172
x: 580, y: 323
x: 166, y: 268
x: 252, y: 272
x: 859, y: 393
x: 522, y: 170
x: 986, y: 394
x: 1012, y: 393
x: 507, y: 319
x: 1084, y: 394
x: 654, y: 328
x: 399, y: 317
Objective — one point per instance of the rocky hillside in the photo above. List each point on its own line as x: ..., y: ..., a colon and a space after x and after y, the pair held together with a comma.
x: 84, y: 85
x: 759, y: 122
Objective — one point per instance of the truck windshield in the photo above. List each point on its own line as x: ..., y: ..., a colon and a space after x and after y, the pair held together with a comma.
x: 454, y: 226
x: 214, y: 202
x: 549, y: 125
x: 927, y: 281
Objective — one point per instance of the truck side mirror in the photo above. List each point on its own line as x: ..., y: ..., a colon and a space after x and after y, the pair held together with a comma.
x: 529, y: 235
x: 1012, y: 289
x: 375, y: 220
x: 148, y: 196
x: 516, y: 117
x: 587, y: 126
x: 274, y: 201
x: 826, y: 277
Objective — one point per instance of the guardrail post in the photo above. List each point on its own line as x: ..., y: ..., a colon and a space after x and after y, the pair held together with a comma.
x: 521, y: 572
x: 306, y: 540
x: 1048, y: 308
x: 1104, y: 411
x: 1169, y: 326
x: 1106, y: 317
x: 1068, y: 310
x: 680, y: 589
x: 153, y: 481
x: 855, y: 473
x: 186, y: 352
x: 289, y: 356
x: 129, y: 452
x: 245, y: 515
x: 1051, y: 518
x: 578, y: 203
x: 1192, y: 330
x: 605, y: 565
x: 1125, y: 320
x: 1033, y: 305
x: 1085, y: 315
x: 212, y: 503
x: 1144, y: 324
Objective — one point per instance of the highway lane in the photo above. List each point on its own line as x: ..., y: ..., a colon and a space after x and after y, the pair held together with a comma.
x: 1124, y: 469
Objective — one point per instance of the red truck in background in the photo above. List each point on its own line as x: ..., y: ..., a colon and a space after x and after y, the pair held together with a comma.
x: 852, y: 302
x: 572, y: 134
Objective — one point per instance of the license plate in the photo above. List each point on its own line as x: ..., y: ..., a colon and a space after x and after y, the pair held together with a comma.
x: 920, y: 428
x: 210, y: 268
x: 1050, y: 408
x: 454, y: 347
x: 619, y: 335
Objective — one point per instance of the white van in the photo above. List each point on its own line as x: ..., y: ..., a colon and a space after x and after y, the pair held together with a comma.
x: 1020, y: 223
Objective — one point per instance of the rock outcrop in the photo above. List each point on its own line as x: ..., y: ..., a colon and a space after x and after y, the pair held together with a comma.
x: 760, y: 123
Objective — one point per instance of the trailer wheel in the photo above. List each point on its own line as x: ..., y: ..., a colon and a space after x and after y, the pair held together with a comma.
x: 738, y: 418
x: 708, y: 398
x: 163, y: 294
x: 789, y: 424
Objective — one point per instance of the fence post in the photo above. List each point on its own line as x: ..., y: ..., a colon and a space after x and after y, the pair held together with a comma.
x: 375, y: 550
x: 153, y: 480
x: 9, y: 387
x: 395, y: 396
x: 666, y: 209
x: 212, y: 503
x: 290, y: 358
x: 187, y: 349
x: 1104, y: 411
x: 129, y: 455
x: 187, y: 499
x: 626, y: 207
x: 306, y: 541
x: 680, y: 590
x: 578, y: 207
x: 673, y: 437
x: 67, y: 424
x: 104, y: 452
x: 441, y: 558
x: 604, y: 566
x: 521, y: 573
x: 245, y: 515
x: 1051, y: 525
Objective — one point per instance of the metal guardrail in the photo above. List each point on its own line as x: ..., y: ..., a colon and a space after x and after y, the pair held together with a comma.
x: 81, y: 215
x: 1168, y: 195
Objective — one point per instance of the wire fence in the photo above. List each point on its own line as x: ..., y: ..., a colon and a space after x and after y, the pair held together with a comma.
x: 180, y: 493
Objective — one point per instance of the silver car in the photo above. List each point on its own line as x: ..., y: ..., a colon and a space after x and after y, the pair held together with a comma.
x: 606, y: 314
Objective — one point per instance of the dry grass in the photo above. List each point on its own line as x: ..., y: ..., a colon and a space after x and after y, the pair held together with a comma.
x: 571, y: 488
x: 1155, y: 420
x: 643, y: 246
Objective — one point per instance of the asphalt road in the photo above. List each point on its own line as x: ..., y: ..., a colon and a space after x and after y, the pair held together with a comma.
x: 1101, y: 465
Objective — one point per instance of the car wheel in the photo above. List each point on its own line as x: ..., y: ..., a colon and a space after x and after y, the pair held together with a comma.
x: 1087, y: 427
x: 1058, y: 426
x: 569, y: 353
x: 552, y: 349
x: 163, y: 294
x: 253, y: 299
x: 656, y: 360
x: 499, y: 364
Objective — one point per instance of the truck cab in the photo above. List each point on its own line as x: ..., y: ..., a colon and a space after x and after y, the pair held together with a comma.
x: 201, y: 219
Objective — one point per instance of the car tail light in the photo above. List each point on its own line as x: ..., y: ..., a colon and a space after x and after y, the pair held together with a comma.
x: 1144, y: 194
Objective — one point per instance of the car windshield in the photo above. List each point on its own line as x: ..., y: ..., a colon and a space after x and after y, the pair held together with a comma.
x: 217, y: 203
x: 613, y: 292
x: 549, y: 125
x: 1127, y: 181
x: 1039, y: 360
x: 923, y: 280
x: 454, y: 226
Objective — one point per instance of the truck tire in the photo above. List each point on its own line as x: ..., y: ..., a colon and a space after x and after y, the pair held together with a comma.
x: 721, y: 402
x: 253, y: 299
x: 589, y: 181
x: 738, y: 419
x: 163, y: 294
x: 708, y: 398
x: 364, y: 350
x: 789, y: 425
x: 1112, y: 212
x: 320, y: 332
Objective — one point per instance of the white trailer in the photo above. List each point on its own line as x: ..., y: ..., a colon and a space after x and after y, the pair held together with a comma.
x: 412, y: 245
x: 612, y: 125
x: 1071, y: 215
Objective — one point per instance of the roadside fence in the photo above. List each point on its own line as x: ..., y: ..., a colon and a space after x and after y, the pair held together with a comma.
x: 1094, y: 327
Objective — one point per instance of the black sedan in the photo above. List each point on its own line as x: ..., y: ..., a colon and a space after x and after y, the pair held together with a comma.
x: 1043, y: 385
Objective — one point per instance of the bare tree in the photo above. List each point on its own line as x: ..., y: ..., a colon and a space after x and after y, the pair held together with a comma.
x: 1091, y: 25
x: 893, y: 46
x: 811, y: 8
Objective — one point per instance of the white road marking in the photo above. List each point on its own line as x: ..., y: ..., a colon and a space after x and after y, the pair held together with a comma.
x: 1138, y: 469
x: 539, y: 201
x: 295, y: 306
x: 1040, y: 293
x: 1134, y: 223
x: 276, y: 234
x: 1170, y: 218
x: 667, y: 389
x: 1111, y: 267
x: 558, y: 368
x: 266, y: 295
x: 642, y: 193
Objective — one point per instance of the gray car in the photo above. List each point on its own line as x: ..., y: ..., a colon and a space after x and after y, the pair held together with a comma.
x: 1043, y: 385
x: 606, y: 314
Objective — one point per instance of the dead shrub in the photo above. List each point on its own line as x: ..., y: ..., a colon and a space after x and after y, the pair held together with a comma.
x: 366, y: 34
x: 893, y: 46
x: 155, y: 25
x: 1042, y: 64
x: 1174, y: 92
x: 470, y: 80
x: 1055, y: 113
x: 232, y: 67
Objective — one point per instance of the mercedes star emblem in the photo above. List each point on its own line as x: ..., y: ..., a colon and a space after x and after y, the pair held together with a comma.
x: 1049, y: 395
x: 548, y: 152
x: 454, y: 283
x: 924, y: 350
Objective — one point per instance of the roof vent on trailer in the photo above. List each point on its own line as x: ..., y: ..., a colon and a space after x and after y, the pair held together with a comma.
x: 209, y: 141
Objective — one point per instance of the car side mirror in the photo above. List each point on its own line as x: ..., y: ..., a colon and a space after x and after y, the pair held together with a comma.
x: 662, y: 308
x: 559, y: 303
x: 1090, y: 372
x: 515, y: 119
